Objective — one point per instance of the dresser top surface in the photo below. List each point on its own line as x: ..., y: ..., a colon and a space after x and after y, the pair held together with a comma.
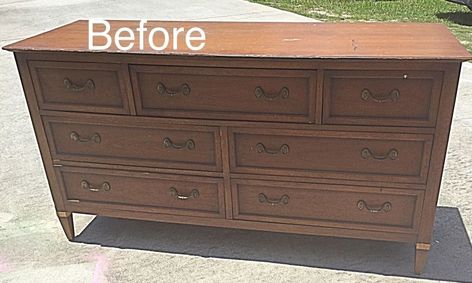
x: 421, y: 41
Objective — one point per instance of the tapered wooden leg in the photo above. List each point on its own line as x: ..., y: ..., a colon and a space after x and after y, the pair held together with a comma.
x: 67, y: 224
x: 421, y: 256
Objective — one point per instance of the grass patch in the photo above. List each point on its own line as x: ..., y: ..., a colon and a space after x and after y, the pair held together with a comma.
x: 458, y: 18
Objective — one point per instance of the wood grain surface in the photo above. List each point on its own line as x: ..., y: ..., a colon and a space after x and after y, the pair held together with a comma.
x: 274, y: 40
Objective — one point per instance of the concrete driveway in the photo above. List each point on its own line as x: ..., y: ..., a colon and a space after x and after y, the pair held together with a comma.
x: 34, y: 249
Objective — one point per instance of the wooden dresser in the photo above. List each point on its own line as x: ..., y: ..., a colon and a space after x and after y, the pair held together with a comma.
x: 322, y: 129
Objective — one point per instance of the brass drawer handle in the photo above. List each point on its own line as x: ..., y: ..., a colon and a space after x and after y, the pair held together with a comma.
x: 264, y: 199
x: 260, y: 93
x: 188, y: 144
x: 77, y: 138
x: 193, y: 194
x: 392, y: 96
x: 105, y: 186
x: 385, y: 207
x: 184, y: 90
x: 89, y: 85
x: 261, y: 148
x: 391, y: 154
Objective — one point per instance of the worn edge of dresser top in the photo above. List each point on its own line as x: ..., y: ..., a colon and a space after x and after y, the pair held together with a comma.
x: 421, y: 41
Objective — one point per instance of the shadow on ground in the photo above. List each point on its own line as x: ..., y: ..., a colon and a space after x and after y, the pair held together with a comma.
x: 460, y: 18
x: 450, y: 257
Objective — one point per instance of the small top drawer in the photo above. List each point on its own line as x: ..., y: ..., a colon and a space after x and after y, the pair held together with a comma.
x: 223, y: 93
x: 81, y: 87
x: 388, y: 98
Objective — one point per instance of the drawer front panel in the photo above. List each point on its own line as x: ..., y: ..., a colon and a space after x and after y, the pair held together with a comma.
x: 115, y: 142
x: 327, y: 205
x: 390, y: 98
x: 83, y: 87
x: 346, y: 155
x: 152, y: 192
x: 220, y: 93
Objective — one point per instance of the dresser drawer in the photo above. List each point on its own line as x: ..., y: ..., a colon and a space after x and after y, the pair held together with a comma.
x: 390, y: 98
x: 327, y: 205
x: 82, y: 87
x: 169, y: 194
x: 132, y: 142
x: 221, y: 93
x: 327, y: 154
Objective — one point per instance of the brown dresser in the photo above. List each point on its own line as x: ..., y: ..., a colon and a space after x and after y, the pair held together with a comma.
x: 322, y: 129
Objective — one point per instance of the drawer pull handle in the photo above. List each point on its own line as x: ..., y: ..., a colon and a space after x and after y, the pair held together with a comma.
x: 188, y: 144
x: 392, y: 96
x: 193, y: 194
x: 264, y: 199
x: 261, y: 148
x: 77, y: 138
x: 105, y: 186
x: 184, y: 90
x: 89, y: 85
x: 260, y: 93
x: 391, y: 154
x: 385, y: 207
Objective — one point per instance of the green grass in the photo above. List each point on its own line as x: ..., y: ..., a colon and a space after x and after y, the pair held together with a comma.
x: 457, y: 17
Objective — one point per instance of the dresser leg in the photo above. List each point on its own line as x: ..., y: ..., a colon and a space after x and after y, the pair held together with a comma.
x: 67, y: 223
x: 421, y: 256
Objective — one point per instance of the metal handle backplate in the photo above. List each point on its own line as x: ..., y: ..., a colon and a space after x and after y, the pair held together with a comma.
x: 193, y: 194
x: 260, y: 93
x: 188, y: 144
x: 86, y: 185
x: 282, y: 200
x: 89, y: 85
x: 385, y: 207
x: 184, y: 90
x: 261, y: 148
x: 93, y: 138
x: 392, y: 154
x: 392, y: 96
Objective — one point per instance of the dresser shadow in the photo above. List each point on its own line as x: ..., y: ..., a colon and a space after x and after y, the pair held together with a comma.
x: 450, y: 257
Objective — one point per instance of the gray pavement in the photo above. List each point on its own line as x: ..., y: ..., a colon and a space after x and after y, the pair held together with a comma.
x: 34, y: 249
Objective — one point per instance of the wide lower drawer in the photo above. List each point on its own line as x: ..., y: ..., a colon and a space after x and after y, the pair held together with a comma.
x: 81, y: 87
x: 382, y: 97
x: 327, y: 205
x: 390, y: 157
x: 168, y: 194
x: 128, y: 141
x: 224, y: 93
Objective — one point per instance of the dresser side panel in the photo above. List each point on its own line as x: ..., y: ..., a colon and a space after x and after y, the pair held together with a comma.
x: 39, y: 131
x: 439, y: 149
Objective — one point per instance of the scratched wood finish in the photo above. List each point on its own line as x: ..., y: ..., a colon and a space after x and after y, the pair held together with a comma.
x: 387, y: 98
x: 125, y: 143
x: 280, y: 40
x: 311, y: 147
x: 81, y: 87
x: 361, y: 156
x: 329, y: 205
x: 148, y: 192
x: 223, y: 93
